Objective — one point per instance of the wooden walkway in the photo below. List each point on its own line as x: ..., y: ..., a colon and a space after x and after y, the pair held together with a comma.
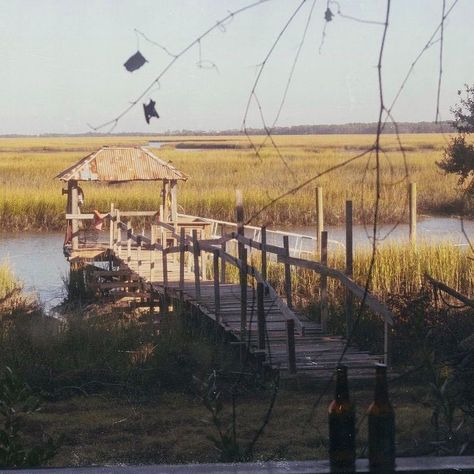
x: 298, y: 348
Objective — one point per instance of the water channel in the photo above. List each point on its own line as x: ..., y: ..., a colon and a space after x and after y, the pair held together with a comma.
x: 37, y: 258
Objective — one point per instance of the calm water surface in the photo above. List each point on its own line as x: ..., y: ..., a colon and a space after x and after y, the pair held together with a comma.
x: 38, y: 261
x: 37, y: 258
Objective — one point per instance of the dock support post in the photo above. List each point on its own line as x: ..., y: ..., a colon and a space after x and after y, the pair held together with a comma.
x: 181, y: 258
x: 224, y: 249
x: 349, y: 266
x: 286, y: 246
x: 164, y: 256
x: 139, y: 255
x: 196, y: 254
x: 74, y: 200
x: 263, y: 233
x: 239, y: 214
x: 412, y: 201
x: 320, y: 218
x: 323, y: 282
x: 261, y: 315
x: 243, y: 294
x: 129, y: 242
x: 111, y: 228
x: 290, y: 329
x: 217, y: 296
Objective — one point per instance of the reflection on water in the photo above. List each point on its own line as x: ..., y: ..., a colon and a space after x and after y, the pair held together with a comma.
x: 37, y: 258
x: 38, y: 261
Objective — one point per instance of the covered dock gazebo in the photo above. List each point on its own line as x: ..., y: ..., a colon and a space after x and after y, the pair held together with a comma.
x: 119, y: 164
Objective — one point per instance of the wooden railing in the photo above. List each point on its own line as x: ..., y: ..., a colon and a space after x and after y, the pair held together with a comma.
x: 186, y: 246
x: 199, y: 248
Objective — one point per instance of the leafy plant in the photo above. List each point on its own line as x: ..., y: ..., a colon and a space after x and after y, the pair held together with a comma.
x: 16, y: 402
x: 230, y: 447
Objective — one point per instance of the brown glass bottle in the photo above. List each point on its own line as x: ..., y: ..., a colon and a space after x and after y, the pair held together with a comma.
x: 342, y: 426
x: 381, y: 419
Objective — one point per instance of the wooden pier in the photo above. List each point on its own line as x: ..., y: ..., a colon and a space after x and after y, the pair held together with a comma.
x: 211, y: 266
x: 161, y: 267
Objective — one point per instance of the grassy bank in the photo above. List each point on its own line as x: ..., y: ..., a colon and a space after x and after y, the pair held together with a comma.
x: 31, y: 199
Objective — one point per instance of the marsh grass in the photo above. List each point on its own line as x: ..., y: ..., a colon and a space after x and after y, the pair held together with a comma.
x: 31, y: 199
x: 8, y: 282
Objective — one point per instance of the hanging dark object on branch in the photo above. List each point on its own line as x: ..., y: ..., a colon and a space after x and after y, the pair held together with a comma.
x: 135, y: 62
x: 328, y: 14
x: 150, y: 111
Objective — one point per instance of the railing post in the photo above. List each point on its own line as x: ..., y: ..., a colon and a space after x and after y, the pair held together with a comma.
x: 217, y: 296
x: 263, y: 239
x: 164, y: 256
x: 319, y: 217
x: 290, y: 329
x: 196, y: 253
x: 129, y: 241
x: 224, y: 249
x: 243, y: 294
x: 286, y: 246
x: 139, y: 255
x: 349, y: 266
x: 118, y: 232
x: 239, y: 214
x: 111, y: 229
x: 412, y: 200
x: 385, y: 343
x: 323, y: 282
x: 182, y: 237
x: 261, y: 315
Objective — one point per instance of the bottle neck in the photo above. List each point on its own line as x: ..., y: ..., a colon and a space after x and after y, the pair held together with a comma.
x: 342, y: 389
x: 381, y: 387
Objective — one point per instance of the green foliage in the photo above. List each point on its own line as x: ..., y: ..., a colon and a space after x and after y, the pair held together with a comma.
x: 16, y: 403
x: 459, y: 155
x: 231, y: 447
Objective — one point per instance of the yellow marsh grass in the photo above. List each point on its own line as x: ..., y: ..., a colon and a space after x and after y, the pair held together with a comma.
x: 8, y: 282
x: 31, y: 199
x: 398, y: 270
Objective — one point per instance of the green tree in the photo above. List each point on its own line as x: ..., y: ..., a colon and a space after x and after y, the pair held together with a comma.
x: 459, y: 154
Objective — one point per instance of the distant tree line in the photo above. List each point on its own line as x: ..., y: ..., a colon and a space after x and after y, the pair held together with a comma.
x: 334, y: 129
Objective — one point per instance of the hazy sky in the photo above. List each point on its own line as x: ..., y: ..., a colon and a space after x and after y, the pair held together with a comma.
x: 62, y: 63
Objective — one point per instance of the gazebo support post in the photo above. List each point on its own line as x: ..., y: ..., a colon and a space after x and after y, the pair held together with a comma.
x: 73, y: 198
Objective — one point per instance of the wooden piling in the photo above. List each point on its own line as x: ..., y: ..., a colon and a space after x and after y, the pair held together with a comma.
x: 129, y: 242
x: 182, y: 237
x: 243, y: 294
x: 290, y: 329
x: 111, y: 228
x: 319, y: 217
x: 224, y: 249
x: 263, y: 234
x: 412, y: 202
x: 164, y: 257
x: 73, y: 195
x: 196, y: 254
x: 239, y: 215
x: 323, y: 288
x: 261, y: 315
x: 349, y: 266
x: 286, y: 246
x: 217, y: 296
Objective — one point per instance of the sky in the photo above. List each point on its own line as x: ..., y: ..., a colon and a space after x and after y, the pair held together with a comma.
x: 62, y: 63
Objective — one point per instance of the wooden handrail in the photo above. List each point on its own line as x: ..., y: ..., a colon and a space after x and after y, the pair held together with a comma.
x: 371, y: 301
x: 450, y: 291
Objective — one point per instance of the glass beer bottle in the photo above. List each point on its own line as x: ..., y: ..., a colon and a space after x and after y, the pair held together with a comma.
x: 342, y: 426
x: 381, y: 419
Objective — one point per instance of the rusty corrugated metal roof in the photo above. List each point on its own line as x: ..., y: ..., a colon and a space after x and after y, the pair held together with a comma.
x: 121, y: 164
